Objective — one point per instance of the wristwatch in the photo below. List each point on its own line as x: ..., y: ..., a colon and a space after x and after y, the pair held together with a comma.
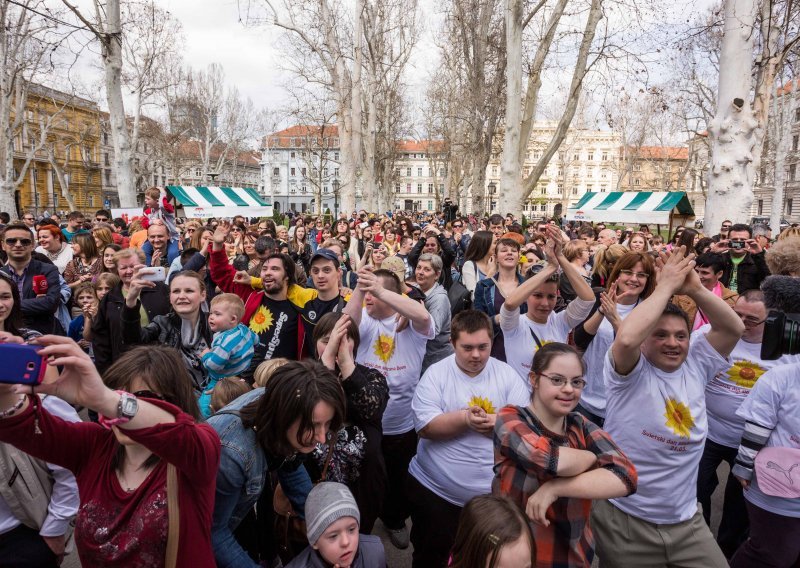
x: 127, y: 407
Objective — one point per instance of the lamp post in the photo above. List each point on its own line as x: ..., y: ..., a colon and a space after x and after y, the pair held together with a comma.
x: 335, y: 200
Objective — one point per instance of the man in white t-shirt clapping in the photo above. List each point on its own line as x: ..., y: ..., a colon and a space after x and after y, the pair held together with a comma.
x: 394, y: 332
x: 656, y: 413
x: 454, y: 410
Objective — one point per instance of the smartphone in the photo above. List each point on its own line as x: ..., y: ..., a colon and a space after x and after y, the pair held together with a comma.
x: 153, y: 273
x: 39, y: 284
x: 22, y: 365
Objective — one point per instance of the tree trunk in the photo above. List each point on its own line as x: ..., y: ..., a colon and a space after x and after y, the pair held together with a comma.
x: 732, y: 132
x: 784, y: 118
x: 511, y: 168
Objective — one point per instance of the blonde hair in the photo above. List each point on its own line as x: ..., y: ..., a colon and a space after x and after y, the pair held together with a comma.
x: 226, y: 391
x: 108, y: 278
x: 231, y: 300
x: 153, y: 193
x: 127, y: 253
x: 606, y: 257
x: 789, y: 232
x: 265, y: 370
x: 783, y: 257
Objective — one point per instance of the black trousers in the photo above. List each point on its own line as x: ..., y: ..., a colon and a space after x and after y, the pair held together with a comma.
x: 434, y: 523
x: 773, y: 541
x: 22, y: 547
x: 734, y: 526
x: 397, y: 453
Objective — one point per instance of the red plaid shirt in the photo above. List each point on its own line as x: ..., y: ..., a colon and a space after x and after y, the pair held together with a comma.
x: 526, y: 456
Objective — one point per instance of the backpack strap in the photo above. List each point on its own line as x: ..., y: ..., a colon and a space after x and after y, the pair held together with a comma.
x: 536, y: 339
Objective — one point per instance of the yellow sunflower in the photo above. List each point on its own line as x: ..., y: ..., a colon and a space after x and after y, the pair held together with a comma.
x: 384, y: 347
x: 679, y: 418
x: 483, y: 403
x: 745, y: 373
x: 261, y: 320
x: 543, y: 343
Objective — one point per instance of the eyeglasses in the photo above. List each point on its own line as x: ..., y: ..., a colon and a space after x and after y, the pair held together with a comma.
x: 11, y: 241
x: 752, y: 321
x: 559, y: 381
x: 640, y: 275
x: 726, y: 226
x: 237, y: 229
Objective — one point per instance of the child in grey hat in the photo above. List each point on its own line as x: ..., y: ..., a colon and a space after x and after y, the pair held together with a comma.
x: 332, y: 521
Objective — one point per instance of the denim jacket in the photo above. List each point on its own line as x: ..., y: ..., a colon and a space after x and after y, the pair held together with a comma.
x: 241, y: 478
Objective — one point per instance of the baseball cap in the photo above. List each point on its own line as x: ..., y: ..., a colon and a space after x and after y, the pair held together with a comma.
x: 395, y: 265
x: 327, y: 254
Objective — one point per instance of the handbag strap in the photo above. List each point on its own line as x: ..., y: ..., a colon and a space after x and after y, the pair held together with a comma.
x: 327, y: 461
x: 173, y: 514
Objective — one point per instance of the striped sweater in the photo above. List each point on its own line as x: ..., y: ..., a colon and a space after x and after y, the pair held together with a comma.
x: 231, y: 352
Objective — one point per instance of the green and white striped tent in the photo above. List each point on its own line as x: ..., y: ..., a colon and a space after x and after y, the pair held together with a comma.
x: 200, y: 202
x: 654, y: 207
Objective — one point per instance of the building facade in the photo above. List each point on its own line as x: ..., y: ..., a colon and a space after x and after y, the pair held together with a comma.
x: 59, y: 138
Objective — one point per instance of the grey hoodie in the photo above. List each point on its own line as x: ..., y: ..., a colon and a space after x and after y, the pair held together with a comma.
x: 438, y: 305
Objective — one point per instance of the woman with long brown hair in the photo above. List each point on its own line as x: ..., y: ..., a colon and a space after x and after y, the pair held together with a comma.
x: 86, y: 263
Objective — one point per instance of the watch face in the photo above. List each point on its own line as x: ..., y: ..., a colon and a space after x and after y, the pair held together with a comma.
x: 129, y: 406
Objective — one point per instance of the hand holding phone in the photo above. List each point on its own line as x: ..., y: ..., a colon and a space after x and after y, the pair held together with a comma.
x: 152, y: 273
x: 22, y: 364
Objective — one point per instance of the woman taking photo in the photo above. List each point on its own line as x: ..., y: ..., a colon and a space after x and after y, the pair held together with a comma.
x: 147, y: 455
x: 184, y: 328
x: 273, y: 429
x: 479, y: 261
x: 552, y: 461
x: 357, y: 459
x: 53, y: 245
x: 299, y: 249
x: 631, y: 280
x: 86, y: 262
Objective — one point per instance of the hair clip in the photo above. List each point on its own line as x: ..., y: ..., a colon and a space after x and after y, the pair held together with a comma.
x: 494, y: 539
x: 297, y: 393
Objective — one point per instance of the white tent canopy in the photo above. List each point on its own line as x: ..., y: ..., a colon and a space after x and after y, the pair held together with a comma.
x: 654, y: 207
x: 200, y: 202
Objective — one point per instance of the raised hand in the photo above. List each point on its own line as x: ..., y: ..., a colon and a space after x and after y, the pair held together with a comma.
x: 242, y: 277
x: 674, y: 268
x: 608, y: 307
x: 137, y: 285
x: 221, y: 232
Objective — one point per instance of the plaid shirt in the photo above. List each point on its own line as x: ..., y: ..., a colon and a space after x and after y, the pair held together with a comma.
x: 526, y: 456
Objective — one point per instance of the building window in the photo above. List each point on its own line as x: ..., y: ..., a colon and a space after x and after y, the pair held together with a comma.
x: 419, y: 172
x: 603, y: 189
x: 441, y: 188
x: 543, y: 189
x: 430, y: 172
x: 494, y: 170
x: 795, y: 140
x: 589, y: 187
x: 108, y: 177
x: 534, y: 207
x: 198, y: 172
x: 292, y: 172
x: 291, y: 154
x: 397, y: 188
x: 419, y: 188
x: 91, y: 200
x: 637, y: 167
x: 336, y: 172
x: 303, y: 189
x: 590, y: 156
x: 604, y: 156
x: 636, y: 181
x: 797, y: 114
x: 560, y: 189
x: 105, y: 138
x: 408, y: 188
x: 408, y: 172
x: 430, y: 205
x: 788, y: 206
x: 303, y: 172
x: 430, y: 188
x: 107, y: 161
x: 792, y: 172
x: 603, y: 174
x: 760, y: 207
x: 574, y: 190
x: 276, y: 171
x: 576, y: 157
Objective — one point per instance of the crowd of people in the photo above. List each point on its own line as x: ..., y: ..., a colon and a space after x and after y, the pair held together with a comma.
x: 236, y: 392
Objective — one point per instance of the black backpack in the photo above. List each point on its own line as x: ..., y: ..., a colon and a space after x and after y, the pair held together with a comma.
x: 460, y: 298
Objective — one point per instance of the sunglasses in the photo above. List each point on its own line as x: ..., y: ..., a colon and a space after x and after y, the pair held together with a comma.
x: 28, y: 219
x: 102, y: 219
x: 11, y: 241
x: 148, y: 394
x: 457, y: 226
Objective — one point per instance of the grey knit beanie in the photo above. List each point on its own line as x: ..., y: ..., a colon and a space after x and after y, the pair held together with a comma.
x: 328, y: 502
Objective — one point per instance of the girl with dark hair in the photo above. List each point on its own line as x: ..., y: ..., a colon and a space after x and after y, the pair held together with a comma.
x: 493, y: 533
x: 553, y: 461
x: 357, y: 459
x: 479, y: 261
x: 147, y: 454
x: 689, y: 238
x: 11, y: 309
x: 299, y: 249
x: 107, y: 258
x: 271, y: 429
x: 86, y: 262
x: 632, y: 279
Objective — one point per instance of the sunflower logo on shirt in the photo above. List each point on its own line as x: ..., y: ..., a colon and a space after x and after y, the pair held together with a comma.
x: 483, y: 403
x: 384, y: 347
x: 262, y: 320
x: 543, y: 343
x: 745, y: 373
x: 679, y: 418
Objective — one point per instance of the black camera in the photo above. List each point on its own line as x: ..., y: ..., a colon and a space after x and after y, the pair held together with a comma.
x: 781, y: 335
x: 738, y: 245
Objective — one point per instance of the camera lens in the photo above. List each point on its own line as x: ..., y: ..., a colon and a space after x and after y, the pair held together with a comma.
x: 781, y: 336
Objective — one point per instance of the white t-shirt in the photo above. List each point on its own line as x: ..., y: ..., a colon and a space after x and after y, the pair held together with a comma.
x: 519, y: 341
x: 774, y: 403
x: 399, y: 357
x: 593, y: 397
x: 460, y: 468
x: 659, y: 420
x: 728, y: 389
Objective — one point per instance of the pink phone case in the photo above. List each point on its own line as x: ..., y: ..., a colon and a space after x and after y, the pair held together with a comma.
x: 21, y: 364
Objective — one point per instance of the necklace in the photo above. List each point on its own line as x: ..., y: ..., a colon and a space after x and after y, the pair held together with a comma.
x: 54, y: 255
x: 123, y: 478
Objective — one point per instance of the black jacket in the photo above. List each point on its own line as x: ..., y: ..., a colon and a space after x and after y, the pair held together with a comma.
x: 40, y: 313
x: 163, y: 330
x: 107, y: 326
x: 752, y: 272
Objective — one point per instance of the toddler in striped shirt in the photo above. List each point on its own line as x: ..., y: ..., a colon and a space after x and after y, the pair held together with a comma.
x: 232, y: 349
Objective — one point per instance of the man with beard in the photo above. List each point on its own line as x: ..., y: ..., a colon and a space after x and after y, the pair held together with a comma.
x: 272, y: 313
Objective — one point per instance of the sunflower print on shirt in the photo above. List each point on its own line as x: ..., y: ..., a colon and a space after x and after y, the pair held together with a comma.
x: 745, y: 373
x: 262, y: 320
x: 384, y: 347
x: 679, y: 418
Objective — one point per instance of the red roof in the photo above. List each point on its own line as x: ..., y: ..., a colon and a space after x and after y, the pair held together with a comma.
x: 296, y: 136
x: 420, y: 146
x: 661, y: 152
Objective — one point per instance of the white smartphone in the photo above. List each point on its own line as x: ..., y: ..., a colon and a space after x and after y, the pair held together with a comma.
x: 152, y: 273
